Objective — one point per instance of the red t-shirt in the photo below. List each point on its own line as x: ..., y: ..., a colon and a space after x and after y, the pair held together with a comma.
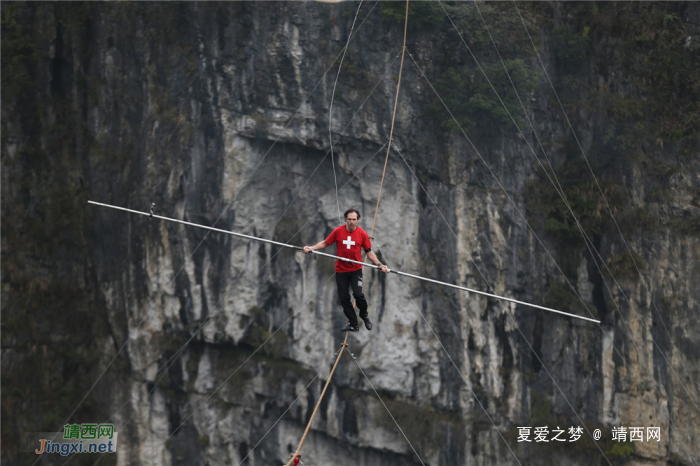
x: 350, y: 246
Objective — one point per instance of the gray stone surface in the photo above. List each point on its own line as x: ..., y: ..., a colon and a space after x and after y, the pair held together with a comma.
x: 218, y: 113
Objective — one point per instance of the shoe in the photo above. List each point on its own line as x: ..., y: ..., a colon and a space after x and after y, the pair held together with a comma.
x: 350, y: 328
x: 368, y: 323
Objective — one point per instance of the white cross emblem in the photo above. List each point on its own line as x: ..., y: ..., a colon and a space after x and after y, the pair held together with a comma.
x: 349, y: 241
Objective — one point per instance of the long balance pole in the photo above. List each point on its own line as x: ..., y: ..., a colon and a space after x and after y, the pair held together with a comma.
x: 397, y: 272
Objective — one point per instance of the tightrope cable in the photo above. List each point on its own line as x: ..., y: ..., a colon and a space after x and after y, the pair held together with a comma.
x: 469, y: 386
x: 209, y: 318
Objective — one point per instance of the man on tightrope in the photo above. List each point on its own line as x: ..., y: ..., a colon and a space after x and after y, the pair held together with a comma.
x: 350, y: 240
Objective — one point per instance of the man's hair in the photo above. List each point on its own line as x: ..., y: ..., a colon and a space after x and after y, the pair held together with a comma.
x: 345, y: 215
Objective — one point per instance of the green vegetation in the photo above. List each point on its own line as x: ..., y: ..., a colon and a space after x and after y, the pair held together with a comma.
x: 471, y: 99
x: 19, y: 54
x: 570, y: 47
x: 663, y: 63
x: 429, y: 426
x: 583, y: 196
x: 620, y: 450
x: 559, y: 296
x: 421, y: 15
x: 52, y: 324
x: 655, y: 53
x: 258, y: 332
x: 623, y: 265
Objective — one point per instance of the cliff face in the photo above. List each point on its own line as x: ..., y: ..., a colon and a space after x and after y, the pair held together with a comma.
x: 219, y: 114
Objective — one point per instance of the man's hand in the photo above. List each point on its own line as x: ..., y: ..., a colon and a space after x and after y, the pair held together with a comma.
x: 307, y: 249
x: 384, y: 268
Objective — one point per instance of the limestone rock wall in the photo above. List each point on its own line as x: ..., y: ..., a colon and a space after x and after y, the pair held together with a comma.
x: 219, y: 114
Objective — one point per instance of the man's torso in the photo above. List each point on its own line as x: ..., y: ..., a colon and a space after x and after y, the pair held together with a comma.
x: 349, y: 245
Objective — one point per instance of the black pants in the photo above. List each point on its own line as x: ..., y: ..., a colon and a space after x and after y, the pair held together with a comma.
x: 344, y: 282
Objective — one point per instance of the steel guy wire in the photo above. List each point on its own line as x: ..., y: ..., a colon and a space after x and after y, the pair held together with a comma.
x: 574, y: 290
x: 469, y: 386
x: 166, y: 365
x: 499, y: 183
x: 569, y: 403
x: 210, y: 317
x: 457, y: 238
x: 278, y: 420
x: 330, y: 109
x: 557, y: 185
x: 299, y: 309
x: 560, y: 190
x: 488, y: 167
x: 583, y: 153
x: 250, y: 177
x: 658, y: 313
x: 544, y: 366
x: 314, y: 171
x: 386, y: 70
x: 450, y: 227
x: 439, y: 212
x: 214, y: 315
x: 218, y: 218
x: 385, y: 407
x: 474, y: 394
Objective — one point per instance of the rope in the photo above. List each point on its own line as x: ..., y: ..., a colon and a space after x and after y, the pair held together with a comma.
x: 393, y: 118
x: 622, y: 358
x: 330, y: 109
x: 308, y: 426
x: 439, y: 212
x: 210, y: 317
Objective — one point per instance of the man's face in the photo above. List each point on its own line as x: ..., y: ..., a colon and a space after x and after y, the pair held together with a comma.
x: 351, y: 221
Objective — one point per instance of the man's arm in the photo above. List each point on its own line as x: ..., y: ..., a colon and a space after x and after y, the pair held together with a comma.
x: 373, y: 257
x: 315, y: 247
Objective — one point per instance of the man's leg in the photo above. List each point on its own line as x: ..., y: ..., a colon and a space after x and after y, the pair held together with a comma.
x: 356, y: 284
x: 343, y: 281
